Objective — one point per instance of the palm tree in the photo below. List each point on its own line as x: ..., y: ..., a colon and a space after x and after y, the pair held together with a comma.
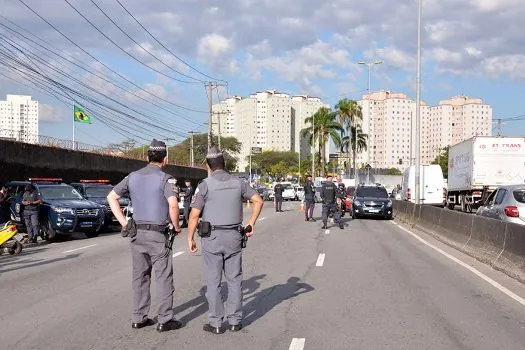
x: 325, y: 127
x: 349, y: 142
x: 349, y: 114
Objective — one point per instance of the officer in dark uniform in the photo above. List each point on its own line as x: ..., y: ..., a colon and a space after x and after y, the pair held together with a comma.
x: 278, y: 193
x: 329, y: 196
x: 155, y: 202
x: 341, y: 194
x: 3, y: 203
x: 187, y: 193
x: 31, y: 201
x: 309, y: 197
x: 219, y: 199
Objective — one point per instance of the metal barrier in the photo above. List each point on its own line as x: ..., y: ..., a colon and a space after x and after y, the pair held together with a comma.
x: 497, y: 243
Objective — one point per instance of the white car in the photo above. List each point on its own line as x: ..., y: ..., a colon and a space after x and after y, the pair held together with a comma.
x: 299, y: 193
x: 289, y: 193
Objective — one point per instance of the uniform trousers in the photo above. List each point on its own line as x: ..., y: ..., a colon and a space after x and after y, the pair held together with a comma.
x: 331, y: 208
x: 222, y: 252
x: 278, y: 203
x: 149, y: 253
x: 31, y: 221
x: 309, y: 208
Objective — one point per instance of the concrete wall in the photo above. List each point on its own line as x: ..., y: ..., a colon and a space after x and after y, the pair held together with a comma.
x: 494, y: 242
x: 19, y: 161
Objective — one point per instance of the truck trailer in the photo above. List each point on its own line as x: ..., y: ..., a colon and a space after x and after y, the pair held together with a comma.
x: 477, y: 166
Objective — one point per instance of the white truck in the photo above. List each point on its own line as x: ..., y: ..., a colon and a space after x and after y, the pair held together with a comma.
x: 477, y: 166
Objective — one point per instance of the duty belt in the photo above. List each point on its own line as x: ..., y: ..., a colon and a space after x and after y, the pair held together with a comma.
x: 225, y: 227
x: 151, y: 227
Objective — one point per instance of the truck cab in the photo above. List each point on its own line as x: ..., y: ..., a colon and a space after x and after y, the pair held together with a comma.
x: 63, y: 209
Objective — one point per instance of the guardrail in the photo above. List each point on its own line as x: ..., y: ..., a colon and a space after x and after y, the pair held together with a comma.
x: 494, y: 242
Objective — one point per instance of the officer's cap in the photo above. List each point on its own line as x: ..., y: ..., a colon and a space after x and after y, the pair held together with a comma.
x: 157, y: 145
x: 214, y: 153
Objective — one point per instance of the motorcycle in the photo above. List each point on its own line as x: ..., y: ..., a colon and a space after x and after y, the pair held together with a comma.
x: 10, y: 239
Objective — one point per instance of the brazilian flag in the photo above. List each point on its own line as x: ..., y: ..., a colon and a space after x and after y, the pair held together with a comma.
x: 80, y: 116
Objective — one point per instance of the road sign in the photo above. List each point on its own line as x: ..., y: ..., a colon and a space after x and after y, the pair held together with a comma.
x: 368, y: 167
x: 256, y: 150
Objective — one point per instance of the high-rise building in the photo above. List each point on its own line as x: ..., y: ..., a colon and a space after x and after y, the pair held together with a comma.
x: 389, y: 122
x: 269, y: 119
x: 19, y: 119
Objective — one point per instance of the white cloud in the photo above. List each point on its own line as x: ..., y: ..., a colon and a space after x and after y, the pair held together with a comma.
x: 511, y: 65
x: 214, y: 45
x: 49, y: 114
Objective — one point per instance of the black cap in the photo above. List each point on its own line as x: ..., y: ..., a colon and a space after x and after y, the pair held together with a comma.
x: 157, y: 145
x: 214, y: 152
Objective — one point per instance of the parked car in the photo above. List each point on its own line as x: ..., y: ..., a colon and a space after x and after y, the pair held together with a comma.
x: 372, y: 201
x: 264, y: 193
x: 289, y: 193
x: 299, y: 193
x: 63, y: 210
x: 506, y: 203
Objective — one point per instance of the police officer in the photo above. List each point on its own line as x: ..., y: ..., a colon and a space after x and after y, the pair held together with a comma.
x: 31, y: 202
x: 329, y: 196
x: 278, y: 193
x: 219, y: 199
x: 3, y: 203
x: 309, y: 197
x: 187, y: 193
x: 341, y: 194
x: 155, y: 201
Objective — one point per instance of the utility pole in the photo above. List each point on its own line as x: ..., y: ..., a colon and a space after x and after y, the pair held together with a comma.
x: 168, y: 148
x: 192, y: 157
x: 313, y: 146
x: 500, y: 130
x: 418, y: 108
x: 209, y: 90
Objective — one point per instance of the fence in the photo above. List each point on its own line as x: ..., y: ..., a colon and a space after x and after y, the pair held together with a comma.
x: 48, y: 141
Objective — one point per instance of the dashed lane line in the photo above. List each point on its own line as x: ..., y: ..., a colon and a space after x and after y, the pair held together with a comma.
x: 320, y: 260
x: 297, y: 344
x: 467, y: 266
x: 177, y: 254
x: 74, y: 250
x: 327, y: 232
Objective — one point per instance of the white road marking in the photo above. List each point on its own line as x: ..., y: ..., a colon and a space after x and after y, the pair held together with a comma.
x: 74, y: 250
x: 327, y: 232
x: 177, y: 254
x: 468, y: 267
x: 297, y: 344
x: 261, y: 219
x: 320, y: 260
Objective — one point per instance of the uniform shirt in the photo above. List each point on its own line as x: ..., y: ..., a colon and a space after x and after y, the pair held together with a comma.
x: 199, y: 197
x: 341, y: 191
x: 188, y: 193
x: 329, y: 193
x: 31, y: 197
x: 278, y: 190
x: 170, y: 188
x: 309, y: 190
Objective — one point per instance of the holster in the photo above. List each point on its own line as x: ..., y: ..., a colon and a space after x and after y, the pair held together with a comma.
x: 171, y: 237
x: 204, y: 228
x: 130, y: 230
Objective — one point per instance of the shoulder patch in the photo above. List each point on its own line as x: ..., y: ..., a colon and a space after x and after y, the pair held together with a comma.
x: 172, y: 181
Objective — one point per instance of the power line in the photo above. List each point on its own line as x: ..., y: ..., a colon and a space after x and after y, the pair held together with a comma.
x: 164, y: 46
x: 140, y: 45
x: 102, y: 63
x: 100, y: 76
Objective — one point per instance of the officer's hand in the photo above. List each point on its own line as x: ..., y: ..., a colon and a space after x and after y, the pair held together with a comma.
x: 192, y: 246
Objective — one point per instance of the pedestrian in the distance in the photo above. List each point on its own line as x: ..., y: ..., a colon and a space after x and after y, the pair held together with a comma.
x: 154, y: 199
x: 309, y: 197
x: 278, y: 194
x: 31, y: 201
x: 187, y: 194
x: 219, y: 198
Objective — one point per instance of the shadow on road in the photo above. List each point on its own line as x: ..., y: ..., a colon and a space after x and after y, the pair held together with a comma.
x: 264, y: 301
x: 41, y: 262
x: 200, y: 304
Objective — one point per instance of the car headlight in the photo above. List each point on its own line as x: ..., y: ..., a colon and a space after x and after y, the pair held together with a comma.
x: 61, y: 210
x: 357, y: 203
x: 389, y: 204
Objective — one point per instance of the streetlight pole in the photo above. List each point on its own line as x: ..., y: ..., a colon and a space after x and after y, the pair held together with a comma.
x: 369, y: 64
x: 418, y: 107
x: 313, y: 146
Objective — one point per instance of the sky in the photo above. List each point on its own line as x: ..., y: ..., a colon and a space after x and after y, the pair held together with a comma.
x: 469, y: 47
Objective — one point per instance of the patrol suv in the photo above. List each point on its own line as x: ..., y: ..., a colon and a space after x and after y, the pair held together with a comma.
x: 97, y: 191
x: 63, y: 210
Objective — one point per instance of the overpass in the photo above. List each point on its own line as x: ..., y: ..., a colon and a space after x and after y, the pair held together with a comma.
x: 22, y: 160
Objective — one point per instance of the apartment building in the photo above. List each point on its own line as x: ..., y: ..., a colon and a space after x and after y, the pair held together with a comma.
x: 389, y: 121
x: 19, y: 119
x: 269, y: 119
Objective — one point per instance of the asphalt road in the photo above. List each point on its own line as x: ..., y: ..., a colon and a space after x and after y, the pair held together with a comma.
x: 375, y: 287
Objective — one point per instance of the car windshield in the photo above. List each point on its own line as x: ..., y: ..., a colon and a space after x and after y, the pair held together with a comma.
x: 350, y: 191
x: 98, y: 191
x: 261, y: 190
x: 300, y: 189
x: 519, y: 195
x: 288, y: 187
x: 59, y: 192
x: 373, y: 192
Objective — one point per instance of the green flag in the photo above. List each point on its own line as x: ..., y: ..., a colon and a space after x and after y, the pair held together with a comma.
x: 80, y: 116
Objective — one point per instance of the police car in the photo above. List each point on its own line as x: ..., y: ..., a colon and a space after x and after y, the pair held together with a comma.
x: 97, y: 191
x: 63, y: 210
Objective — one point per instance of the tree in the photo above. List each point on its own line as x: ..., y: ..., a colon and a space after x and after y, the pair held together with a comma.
x: 349, y: 142
x: 393, y: 171
x: 123, y: 147
x: 325, y: 127
x: 278, y: 170
x: 349, y: 115
x: 442, y: 161
x: 267, y: 159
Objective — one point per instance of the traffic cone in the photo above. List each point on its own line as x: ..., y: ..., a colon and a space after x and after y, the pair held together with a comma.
x: 301, y: 207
